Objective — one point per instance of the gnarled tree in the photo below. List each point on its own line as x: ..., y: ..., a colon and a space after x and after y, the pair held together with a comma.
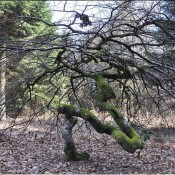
x: 113, y: 63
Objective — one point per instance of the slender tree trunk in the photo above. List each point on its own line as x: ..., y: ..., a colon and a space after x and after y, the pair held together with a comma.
x: 70, y: 149
x: 3, y: 60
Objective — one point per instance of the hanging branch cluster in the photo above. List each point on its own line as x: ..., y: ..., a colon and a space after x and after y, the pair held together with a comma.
x: 85, y: 20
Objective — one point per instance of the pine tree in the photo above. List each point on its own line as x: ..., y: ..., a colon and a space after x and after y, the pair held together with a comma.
x: 17, y: 23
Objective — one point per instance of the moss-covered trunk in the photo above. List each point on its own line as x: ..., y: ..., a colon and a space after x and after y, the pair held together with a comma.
x: 126, y: 136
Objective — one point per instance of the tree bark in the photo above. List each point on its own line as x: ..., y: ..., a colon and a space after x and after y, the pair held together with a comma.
x: 3, y: 60
x: 70, y: 149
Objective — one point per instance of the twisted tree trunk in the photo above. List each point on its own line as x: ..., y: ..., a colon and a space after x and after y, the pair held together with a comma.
x: 126, y: 136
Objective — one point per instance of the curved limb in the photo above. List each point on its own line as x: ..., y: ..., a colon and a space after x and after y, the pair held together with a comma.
x: 127, y: 143
x: 126, y: 136
x: 106, y: 93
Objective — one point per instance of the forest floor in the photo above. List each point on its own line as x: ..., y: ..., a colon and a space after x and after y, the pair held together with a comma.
x: 36, y: 152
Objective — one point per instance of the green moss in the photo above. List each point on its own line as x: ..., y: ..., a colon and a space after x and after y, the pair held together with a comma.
x: 128, y: 144
x: 98, y: 97
x: 127, y: 137
x: 69, y: 110
x: 70, y: 152
x: 108, y: 128
x: 117, y: 134
x: 82, y: 156
x: 73, y: 120
x: 76, y: 156
x: 114, y: 112
x: 103, y: 85
x: 102, y: 51
x: 86, y: 113
x: 95, y: 122
x: 68, y: 107
x: 107, y: 106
